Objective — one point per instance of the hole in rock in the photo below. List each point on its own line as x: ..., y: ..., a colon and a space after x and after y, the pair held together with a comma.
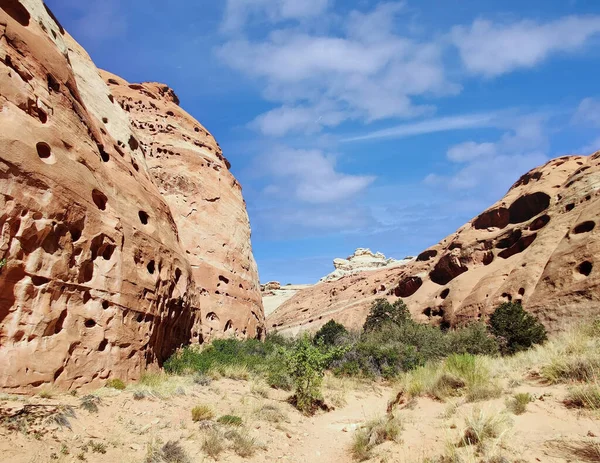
x: 133, y: 143
x: 102, y: 345
x: 16, y: 11
x: 228, y: 325
x: 447, y: 269
x: 44, y: 152
x: 528, y: 206
x: 426, y: 255
x: 509, y: 239
x: 584, y: 227
x: 212, y: 316
x: 86, y: 297
x: 58, y: 372
x: 585, y: 268
x: 151, y: 267
x: 89, y: 323
x: 521, y: 291
x: 100, y: 199
x: 60, y: 322
x: 38, y: 280
x: 42, y: 116
x: 498, y: 218
x: 143, y: 217
x: 444, y: 293
x: 105, y: 120
x: 539, y: 223
x: 224, y: 279
x: 105, y: 305
x: 518, y: 247
x: 570, y: 207
x: 53, y: 84
x: 408, y: 286
x: 177, y: 275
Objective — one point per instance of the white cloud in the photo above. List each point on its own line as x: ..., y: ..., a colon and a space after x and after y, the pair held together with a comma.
x: 368, y: 72
x: 469, y: 151
x: 441, y: 124
x: 310, y: 176
x: 496, y: 165
x: 493, y: 49
x: 238, y: 12
x: 588, y: 113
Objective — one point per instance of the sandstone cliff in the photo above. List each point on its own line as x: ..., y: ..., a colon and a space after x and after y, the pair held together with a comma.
x: 538, y: 245
x: 362, y: 260
x: 113, y: 258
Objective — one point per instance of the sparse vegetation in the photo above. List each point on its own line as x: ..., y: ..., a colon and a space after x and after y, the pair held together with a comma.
x: 383, y: 313
x: 116, y: 384
x: 202, y: 413
x: 271, y: 413
x: 482, y: 426
x: 243, y: 444
x: 306, y: 365
x: 213, y: 443
x: 516, y: 329
x: 374, y: 433
x: 330, y: 332
x: 46, y: 393
x: 517, y: 404
x: 90, y: 403
x: 171, y: 452
x: 230, y: 420
x: 584, y: 396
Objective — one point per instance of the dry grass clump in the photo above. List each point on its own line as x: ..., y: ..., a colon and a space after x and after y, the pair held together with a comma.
x: 459, y: 375
x: 586, y: 450
x: 481, y: 427
x: 213, y: 443
x: 46, y: 393
x: 230, y: 420
x: 517, y: 404
x: 374, y: 433
x: 585, y: 396
x: 239, y: 372
x: 202, y: 413
x: 271, y: 413
x: 243, y: 444
x: 160, y: 385
x: 171, y: 452
x: 90, y: 403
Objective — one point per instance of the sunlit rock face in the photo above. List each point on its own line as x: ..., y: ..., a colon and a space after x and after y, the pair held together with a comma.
x: 113, y: 258
x: 538, y: 245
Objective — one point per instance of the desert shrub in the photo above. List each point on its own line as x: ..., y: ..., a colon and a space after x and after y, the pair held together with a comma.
x: 213, y: 443
x: 97, y: 447
x: 581, y: 367
x: 2, y: 263
x: 115, y: 384
x: 516, y: 329
x: 517, y: 404
x: 382, y: 313
x: 230, y: 420
x: 46, y: 393
x: 374, y: 433
x: 587, y: 396
x: 481, y: 427
x: 475, y: 374
x: 202, y: 413
x: 90, y: 403
x: 271, y: 413
x: 243, y: 444
x: 473, y: 339
x: 330, y: 332
x: 306, y: 365
x: 202, y: 380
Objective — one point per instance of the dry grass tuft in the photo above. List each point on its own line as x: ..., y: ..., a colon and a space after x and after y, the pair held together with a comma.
x: 517, y: 404
x: 213, y: 443
x: 202, y: 413
x: 374, y: 433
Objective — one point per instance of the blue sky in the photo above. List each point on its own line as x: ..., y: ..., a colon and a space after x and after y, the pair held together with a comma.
x: 363, y: 123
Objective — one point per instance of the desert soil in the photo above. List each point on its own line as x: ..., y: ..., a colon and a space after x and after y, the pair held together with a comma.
x: 126, y: 428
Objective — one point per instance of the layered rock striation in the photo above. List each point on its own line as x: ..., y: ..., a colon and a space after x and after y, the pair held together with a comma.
x: 538, y: 245
x: 114, y: 258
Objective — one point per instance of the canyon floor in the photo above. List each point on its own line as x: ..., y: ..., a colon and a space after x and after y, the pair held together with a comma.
x: 132, y: 425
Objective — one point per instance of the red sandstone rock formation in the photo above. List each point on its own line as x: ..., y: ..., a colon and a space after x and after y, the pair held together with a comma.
x: 538, y: 245
x: 112, y: 260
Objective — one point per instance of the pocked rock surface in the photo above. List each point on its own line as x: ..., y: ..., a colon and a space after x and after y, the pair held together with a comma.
x: 538, y: 245
x: 113, y: 258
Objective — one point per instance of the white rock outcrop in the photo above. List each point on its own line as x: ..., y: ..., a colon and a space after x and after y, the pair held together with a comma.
x: 362, y: 260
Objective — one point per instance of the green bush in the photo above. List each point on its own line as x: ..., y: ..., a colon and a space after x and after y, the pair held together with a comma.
x: 306, y: 365
x: 516, y: 329
x: 473, y: 339
x: 230, y: 420
x: 330, y: 332
x: 382, y: 313
x: 115, y: 384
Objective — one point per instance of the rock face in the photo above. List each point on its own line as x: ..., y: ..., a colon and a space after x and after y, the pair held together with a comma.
x: 538, y: 245
x: 111, y: 255
x: 362, y: 260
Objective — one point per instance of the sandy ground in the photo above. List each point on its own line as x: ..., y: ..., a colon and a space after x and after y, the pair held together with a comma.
x: 125, y: 428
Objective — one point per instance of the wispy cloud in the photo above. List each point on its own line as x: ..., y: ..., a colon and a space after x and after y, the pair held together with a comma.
x: 440, y: 124
x: 362, y: 70
x: 492, y: 49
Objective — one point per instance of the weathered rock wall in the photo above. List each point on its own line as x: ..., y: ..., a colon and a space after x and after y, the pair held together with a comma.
x: 98, y: 282
x: 538, y: 245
